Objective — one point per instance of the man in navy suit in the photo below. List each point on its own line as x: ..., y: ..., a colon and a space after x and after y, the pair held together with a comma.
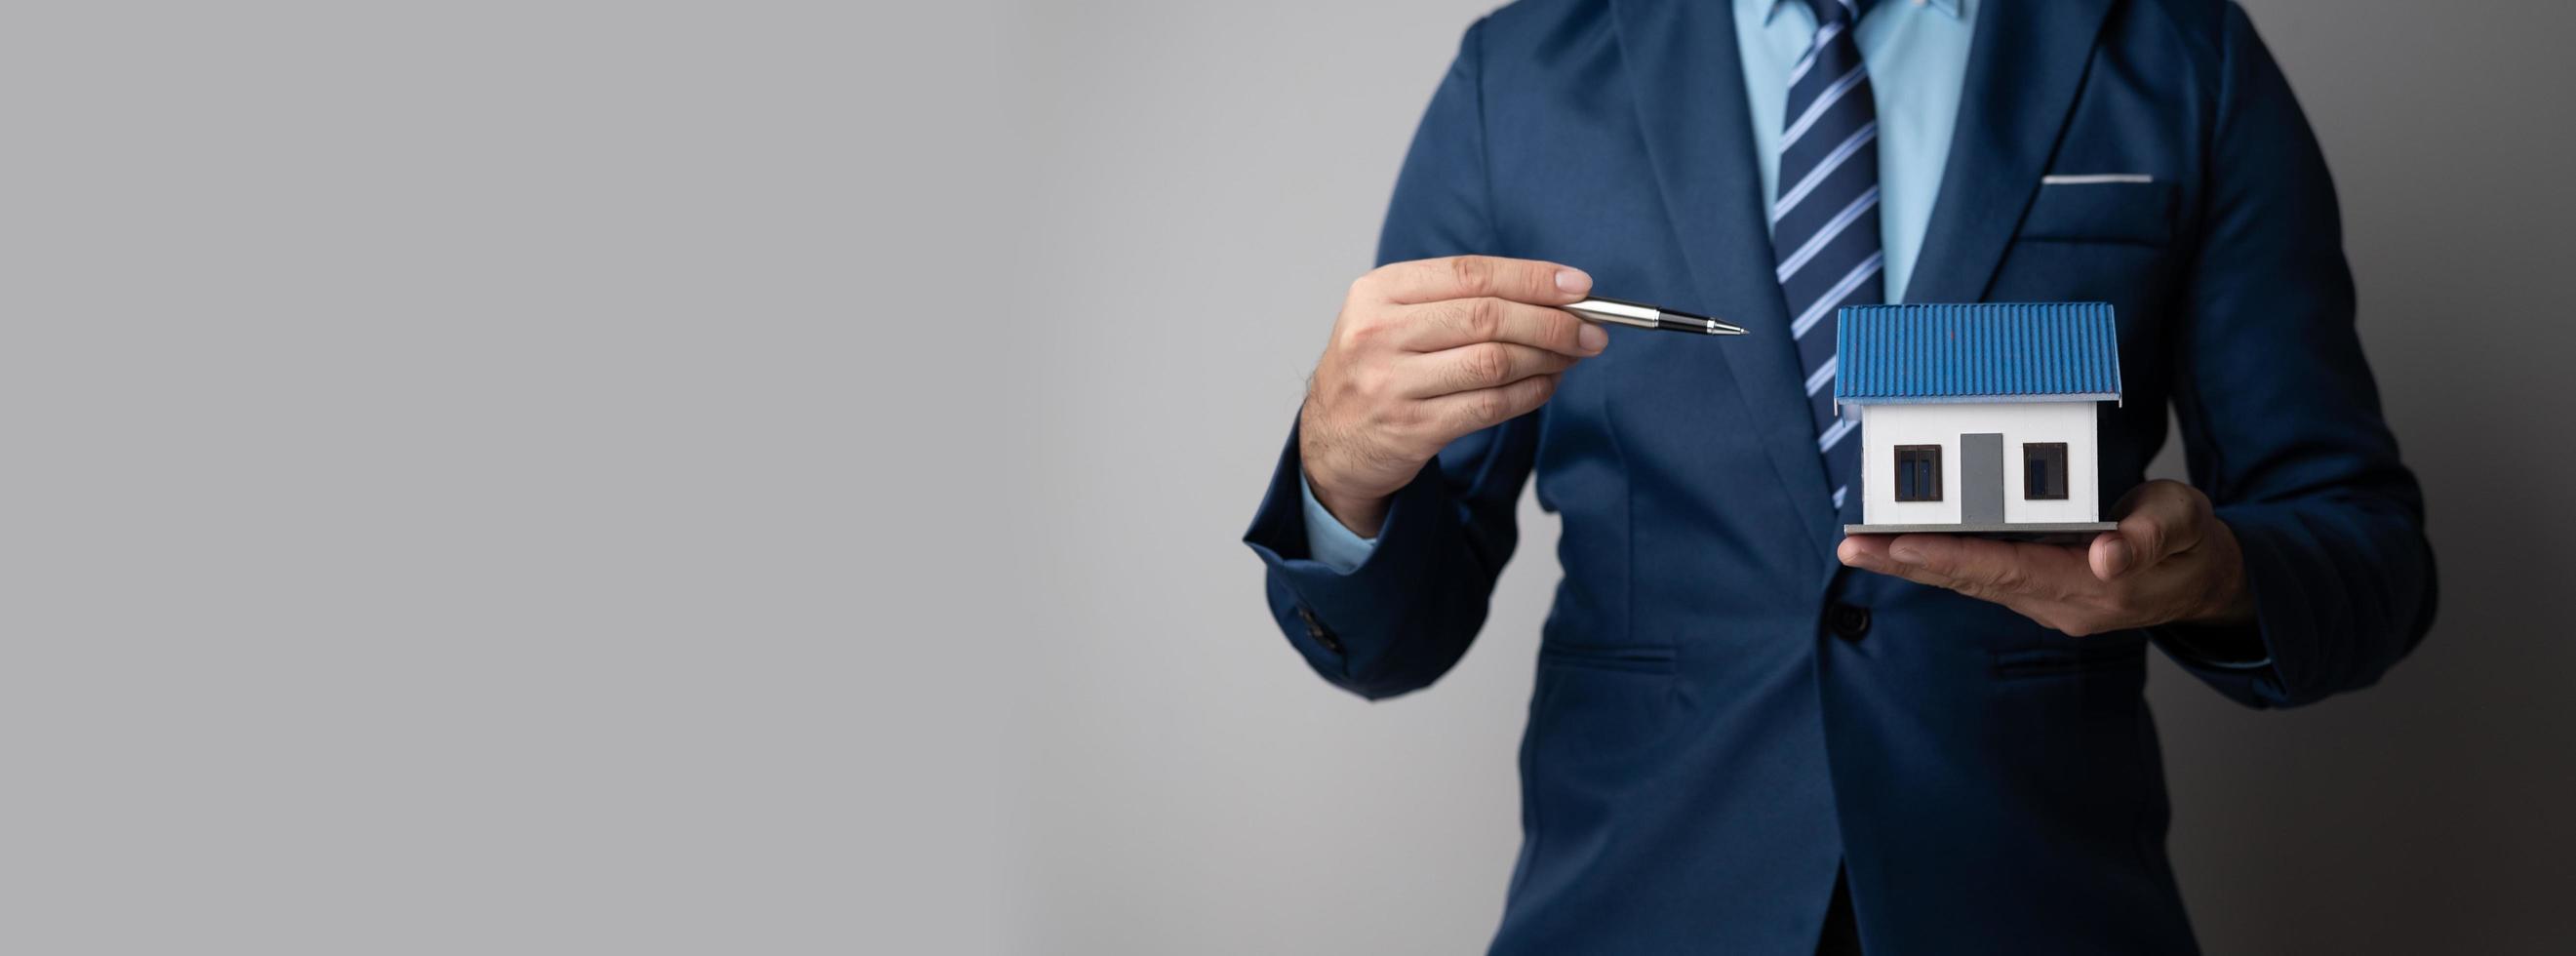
x: 1751, y: 734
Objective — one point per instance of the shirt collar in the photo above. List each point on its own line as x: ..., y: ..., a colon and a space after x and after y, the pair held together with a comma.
x: 1955, y: 8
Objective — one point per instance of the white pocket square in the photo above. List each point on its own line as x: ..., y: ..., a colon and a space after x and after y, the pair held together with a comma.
x: 2088, y: 179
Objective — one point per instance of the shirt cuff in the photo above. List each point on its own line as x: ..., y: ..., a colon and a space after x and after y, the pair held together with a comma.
x: 1327, y: 542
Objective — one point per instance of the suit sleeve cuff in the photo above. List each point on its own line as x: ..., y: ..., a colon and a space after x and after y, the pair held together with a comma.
x: 1350, y: 623
x: 2238, y: 648
x: 2243, y: 661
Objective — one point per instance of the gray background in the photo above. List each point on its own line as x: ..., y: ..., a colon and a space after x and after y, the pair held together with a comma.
x: 762, y: 477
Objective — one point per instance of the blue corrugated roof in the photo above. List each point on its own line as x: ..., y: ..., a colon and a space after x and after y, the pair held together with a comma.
x: 1950, y: 353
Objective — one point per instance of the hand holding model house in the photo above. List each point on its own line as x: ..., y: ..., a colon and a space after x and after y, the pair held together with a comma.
x: 1945, y: 392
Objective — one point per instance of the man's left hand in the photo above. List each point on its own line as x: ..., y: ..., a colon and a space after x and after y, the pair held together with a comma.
x: 2171, y: 560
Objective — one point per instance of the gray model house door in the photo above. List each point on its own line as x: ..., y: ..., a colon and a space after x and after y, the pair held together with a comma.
x: 1981, y: 479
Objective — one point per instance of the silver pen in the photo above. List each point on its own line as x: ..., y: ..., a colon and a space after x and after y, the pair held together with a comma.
x: 1643, y: 316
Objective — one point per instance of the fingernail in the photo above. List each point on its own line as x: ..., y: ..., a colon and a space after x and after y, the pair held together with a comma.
x: 2116, y: 557
x: 1573, y: 281
x: 1904, y: 555
x: 1592, y: 338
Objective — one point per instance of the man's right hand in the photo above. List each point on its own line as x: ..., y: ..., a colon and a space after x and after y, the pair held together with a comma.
x: 1425, y: 352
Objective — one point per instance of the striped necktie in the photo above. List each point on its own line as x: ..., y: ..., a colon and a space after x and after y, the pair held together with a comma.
x: 1824, y: 224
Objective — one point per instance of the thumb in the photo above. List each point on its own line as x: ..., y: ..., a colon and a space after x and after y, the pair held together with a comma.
x: 2161, y: 518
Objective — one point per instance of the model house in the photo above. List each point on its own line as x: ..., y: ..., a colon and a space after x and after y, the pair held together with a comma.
x: 1978, y: 418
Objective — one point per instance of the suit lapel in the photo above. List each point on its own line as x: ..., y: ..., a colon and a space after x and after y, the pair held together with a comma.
x: 1689, y: 86
x: 2027, y: 65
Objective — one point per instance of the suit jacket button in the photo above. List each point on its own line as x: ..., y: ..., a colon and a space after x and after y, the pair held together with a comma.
x: 1316, y: 629
x: 1847, y: 621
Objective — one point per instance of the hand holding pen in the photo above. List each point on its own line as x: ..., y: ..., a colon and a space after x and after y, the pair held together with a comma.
x: 1428, y: 351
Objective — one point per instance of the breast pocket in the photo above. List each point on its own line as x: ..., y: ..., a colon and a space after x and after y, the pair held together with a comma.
x: 2102, y: 209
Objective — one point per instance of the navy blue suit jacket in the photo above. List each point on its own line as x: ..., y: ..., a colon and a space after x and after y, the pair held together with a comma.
x: 1704, y: 748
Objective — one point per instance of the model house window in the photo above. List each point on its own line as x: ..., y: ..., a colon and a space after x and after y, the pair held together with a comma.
x: 1918, y: 472
x: 2043, y: 470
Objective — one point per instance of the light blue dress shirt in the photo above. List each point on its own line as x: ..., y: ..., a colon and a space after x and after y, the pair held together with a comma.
x: 1917, y: 55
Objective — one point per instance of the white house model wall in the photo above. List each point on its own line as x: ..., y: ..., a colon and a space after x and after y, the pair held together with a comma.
x: 1883, y: 427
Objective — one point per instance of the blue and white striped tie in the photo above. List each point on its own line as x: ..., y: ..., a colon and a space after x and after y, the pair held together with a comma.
x: 1824, y: 224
